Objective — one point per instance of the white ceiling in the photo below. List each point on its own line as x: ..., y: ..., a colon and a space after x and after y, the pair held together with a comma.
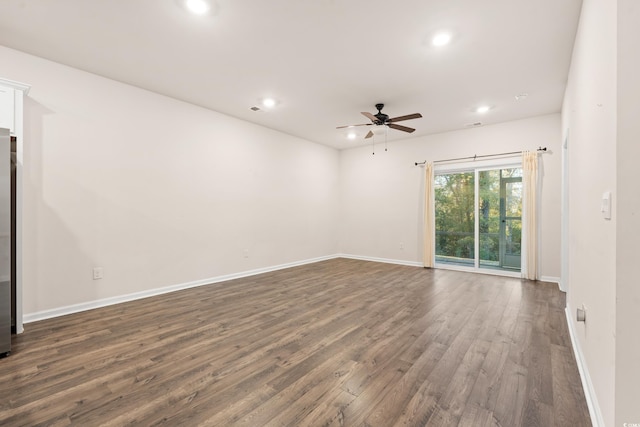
x: 324, y: 61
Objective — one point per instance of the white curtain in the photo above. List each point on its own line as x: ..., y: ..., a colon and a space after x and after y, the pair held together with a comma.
x: 429, y: 218
x: 529, y: 215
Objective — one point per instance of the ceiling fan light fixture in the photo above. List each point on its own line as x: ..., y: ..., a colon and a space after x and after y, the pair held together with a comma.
x: 380, y: 129
x: 441, y: 39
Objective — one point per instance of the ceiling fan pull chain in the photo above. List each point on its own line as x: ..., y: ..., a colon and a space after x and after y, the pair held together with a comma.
x: 386, y: 130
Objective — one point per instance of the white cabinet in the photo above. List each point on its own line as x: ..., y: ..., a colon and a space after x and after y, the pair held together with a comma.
x: 7, y: 108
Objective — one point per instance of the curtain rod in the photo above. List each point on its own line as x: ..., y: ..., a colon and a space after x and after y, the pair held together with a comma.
x: 475, y: 156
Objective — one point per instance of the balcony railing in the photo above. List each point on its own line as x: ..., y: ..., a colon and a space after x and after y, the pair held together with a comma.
x: 456, y: 247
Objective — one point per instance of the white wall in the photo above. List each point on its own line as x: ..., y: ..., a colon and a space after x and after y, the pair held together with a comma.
x: 589, y: 118
x: 381, y: 194
x: 156, y: 191
x: 628, y: 210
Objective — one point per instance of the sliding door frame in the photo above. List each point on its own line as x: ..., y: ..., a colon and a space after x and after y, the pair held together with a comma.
x: 476, y: 167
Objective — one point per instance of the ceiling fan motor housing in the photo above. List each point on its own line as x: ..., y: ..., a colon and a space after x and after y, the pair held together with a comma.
x: 382, y: 118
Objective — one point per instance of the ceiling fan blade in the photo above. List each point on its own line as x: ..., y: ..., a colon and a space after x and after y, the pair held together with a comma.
x: 369, y: 135
x: 352, y: 126
x: 407, y: 117
x: 369, y: 116
x: 400, y: 127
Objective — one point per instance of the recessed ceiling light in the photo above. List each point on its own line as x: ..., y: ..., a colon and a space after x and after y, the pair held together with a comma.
x: 269, y: 102
x: 198, y: 7
x: 441, y: 39
x: 351, y: 135
x: 483, y: 109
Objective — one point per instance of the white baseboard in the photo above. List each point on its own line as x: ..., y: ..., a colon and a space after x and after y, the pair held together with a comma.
x: 90, y: 305
x: 551, y: 279
x: 385, y: 260
x: 587, y: 385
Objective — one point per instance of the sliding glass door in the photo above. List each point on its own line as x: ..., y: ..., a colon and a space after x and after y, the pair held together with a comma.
x: 478, y: 215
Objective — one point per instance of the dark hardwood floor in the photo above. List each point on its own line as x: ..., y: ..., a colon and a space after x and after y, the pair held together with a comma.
x: 336, y: 343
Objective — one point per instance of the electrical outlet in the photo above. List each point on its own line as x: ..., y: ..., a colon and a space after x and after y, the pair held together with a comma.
x: 401, y: 246
x: 98, y: 273
x: 246, y: 253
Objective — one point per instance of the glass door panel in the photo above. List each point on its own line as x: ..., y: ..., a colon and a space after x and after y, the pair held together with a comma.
x: 489, y: 218
x: 455, y: 219
x: 511, y: 220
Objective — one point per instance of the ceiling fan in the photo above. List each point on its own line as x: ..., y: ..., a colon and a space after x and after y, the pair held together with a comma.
x: 382, y: 119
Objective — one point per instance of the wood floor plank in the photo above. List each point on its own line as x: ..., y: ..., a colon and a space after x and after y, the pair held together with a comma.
x: 567, y: 390
x: 340, y: 342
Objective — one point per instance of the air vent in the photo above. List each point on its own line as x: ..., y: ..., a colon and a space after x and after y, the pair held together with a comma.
x: 473, y: 125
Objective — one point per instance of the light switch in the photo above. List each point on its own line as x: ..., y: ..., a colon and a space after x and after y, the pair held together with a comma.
x: 606, y: 205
